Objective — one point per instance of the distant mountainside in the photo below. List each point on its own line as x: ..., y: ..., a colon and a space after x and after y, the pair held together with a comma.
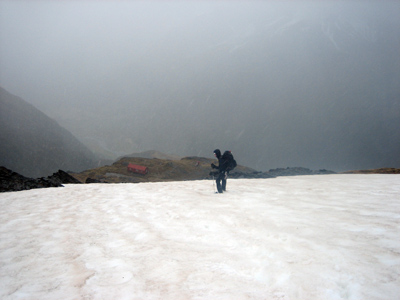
x: 35, y: 145
x: 153, y: 154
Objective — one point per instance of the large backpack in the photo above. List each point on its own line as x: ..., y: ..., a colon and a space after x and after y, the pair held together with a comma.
x: 230, y: 161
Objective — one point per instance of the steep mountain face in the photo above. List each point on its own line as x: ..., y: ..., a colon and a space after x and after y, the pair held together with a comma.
x: 34, y: 145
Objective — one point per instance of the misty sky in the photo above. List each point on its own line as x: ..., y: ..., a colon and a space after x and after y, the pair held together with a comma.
x: 281, y: 83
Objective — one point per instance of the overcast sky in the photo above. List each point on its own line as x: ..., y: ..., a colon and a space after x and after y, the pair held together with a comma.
x: 186, y: 77
x: 74, y: 45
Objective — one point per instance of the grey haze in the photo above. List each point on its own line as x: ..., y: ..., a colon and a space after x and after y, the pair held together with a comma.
x: 280, y: 83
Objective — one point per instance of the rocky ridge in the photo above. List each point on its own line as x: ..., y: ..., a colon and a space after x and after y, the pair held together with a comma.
x: 187, y: 168
x: 12, y: 181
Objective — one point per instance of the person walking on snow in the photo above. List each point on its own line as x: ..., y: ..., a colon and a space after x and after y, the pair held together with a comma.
x: 222, y: 171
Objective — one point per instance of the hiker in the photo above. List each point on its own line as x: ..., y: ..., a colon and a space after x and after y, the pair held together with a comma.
x: 226, y: 163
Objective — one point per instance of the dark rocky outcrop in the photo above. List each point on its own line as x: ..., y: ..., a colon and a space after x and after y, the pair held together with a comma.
x: 296, y: 171
x: 92, y: 180
x: 61, y: 177
x: 12, y: 181
x: 375, y: 171
x: 247, y: 175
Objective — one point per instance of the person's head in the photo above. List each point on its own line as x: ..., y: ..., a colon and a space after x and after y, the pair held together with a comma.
x: 217, y: 153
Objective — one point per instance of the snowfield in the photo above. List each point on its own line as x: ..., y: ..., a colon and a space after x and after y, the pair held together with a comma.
x: 304, y: 237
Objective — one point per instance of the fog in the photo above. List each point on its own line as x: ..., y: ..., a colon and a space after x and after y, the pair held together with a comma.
x: 312, y: 84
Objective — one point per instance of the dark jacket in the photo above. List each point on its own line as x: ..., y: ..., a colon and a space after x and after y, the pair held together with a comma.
x: 222, y: 162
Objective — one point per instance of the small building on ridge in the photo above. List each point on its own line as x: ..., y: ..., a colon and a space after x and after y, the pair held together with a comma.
x: 138, y: 169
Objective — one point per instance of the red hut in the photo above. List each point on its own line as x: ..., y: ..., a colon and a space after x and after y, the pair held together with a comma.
x: 137, y: 169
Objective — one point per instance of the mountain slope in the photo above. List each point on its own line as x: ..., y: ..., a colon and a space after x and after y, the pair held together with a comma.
x: 35, y: 145
x: 153, y: 154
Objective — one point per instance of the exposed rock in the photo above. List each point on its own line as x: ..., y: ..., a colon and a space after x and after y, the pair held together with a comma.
x: 92, y: 180
x: 296, y: 171
x: 247, y: 175
x: 61, y: 177
x: 12, y: 181
x: 323, y: 172
x: 375, y: 171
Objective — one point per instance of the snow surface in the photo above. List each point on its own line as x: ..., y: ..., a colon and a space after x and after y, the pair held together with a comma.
x: 304, y: 237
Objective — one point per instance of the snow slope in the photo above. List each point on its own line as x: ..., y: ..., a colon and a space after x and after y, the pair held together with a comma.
x: 304, y: 237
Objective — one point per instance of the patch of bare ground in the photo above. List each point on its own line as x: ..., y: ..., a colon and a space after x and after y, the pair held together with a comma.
x: 375, y: 171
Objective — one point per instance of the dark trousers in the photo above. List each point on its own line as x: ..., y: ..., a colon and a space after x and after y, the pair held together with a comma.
x: 221, y: 182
